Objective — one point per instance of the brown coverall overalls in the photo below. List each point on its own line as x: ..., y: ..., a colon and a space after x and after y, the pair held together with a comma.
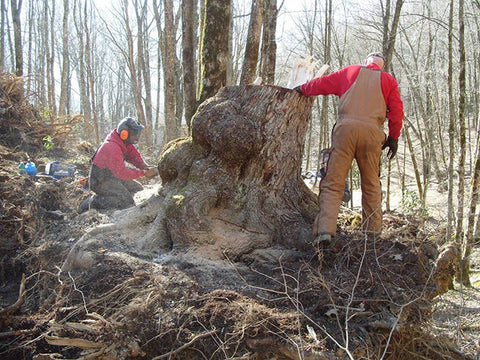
x: 358, y: 134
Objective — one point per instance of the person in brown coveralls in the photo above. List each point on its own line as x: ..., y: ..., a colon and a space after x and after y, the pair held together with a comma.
x: 367, y: 96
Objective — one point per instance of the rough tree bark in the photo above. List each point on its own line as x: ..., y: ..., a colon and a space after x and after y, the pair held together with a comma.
x: 269, y: 43
x: 188, y: 58
x: 238, y: 176
x: 134, y: 76
x: 171, y: 129
x: 81, y: 71
x: 451, y: 124
x: 460, y: 232
x: 249, y: 71
x: 233, y: 186
x: 89, y: 74
x: 390, y: 31
x: 65, y: 84
x: 3, y: 36
x: 16, y: 7
x: 214, y: 47
x: 143, y: 56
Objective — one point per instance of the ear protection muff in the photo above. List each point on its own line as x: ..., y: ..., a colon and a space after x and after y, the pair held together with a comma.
x: 128, y: 128
x: 124, y: 134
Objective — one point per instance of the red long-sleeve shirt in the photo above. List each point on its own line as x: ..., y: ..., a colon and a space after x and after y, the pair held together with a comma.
x: 112, y: 155
x: 339, y: 82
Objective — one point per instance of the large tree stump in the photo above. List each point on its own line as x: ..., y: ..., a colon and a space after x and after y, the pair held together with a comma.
x: 232, y: 187
x: 237, y: 181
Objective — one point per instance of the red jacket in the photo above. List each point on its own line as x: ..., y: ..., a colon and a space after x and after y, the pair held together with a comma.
x: 112, y: 155
x: 339, y: 82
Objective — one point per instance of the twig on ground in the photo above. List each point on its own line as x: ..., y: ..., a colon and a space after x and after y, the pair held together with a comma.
x: 186, y: 345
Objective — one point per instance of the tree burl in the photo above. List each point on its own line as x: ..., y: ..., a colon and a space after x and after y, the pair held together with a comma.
x: 235, y: 184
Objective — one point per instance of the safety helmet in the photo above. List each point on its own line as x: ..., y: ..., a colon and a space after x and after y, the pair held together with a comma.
x: 375, y: 54
x: 376, y: 58
x: 128, y: 126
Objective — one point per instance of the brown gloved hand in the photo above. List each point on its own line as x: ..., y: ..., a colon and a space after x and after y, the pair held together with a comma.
x: 151, y: 173
x: 392, y: 145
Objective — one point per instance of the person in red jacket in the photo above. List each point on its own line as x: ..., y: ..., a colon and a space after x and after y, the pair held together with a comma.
x: 112, y: 182
x: 367, y: 95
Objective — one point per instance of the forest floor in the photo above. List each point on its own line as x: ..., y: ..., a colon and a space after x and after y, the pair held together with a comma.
x: 130, y: 301
x: 366, y: 298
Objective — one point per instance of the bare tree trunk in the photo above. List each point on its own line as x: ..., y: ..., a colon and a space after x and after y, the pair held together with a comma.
x: 327, y: 47
x: 231, y: 66
x: 41, y: 55
x: 2, y: 34
x: 388, y: 43
x: 16, y: 8
x: 30, y: 58
x: 65, y: 85
x: 469, y: 236
x: 430, y: 111
x: 249, y: 70
x: 390, y: 31
x: 178, y: 91
x: 269, y: 43
x: 451, y: 124
x: 171, y: 129
x: 311, y: 50
x: 459, y: 236
x: 136, y: 85
x: 85, y: 107
x: 308, y: 148
x: 215, y: 47
x: 90, y: 78
x: 476, y: 235
x: 144, y: 63
x: 158, y: 134
x: 188, y: 59
x: 201, y: 26
x: 425, y: 160
x: 50, y: 33
x: 387, y: 198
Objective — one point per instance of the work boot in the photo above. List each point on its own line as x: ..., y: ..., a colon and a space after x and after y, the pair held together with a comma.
x: 322, y: 238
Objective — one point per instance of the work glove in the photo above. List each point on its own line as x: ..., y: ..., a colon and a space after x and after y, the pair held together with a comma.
x: 297, y: 89
x: 392, y: 145
x: 151, y: 173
